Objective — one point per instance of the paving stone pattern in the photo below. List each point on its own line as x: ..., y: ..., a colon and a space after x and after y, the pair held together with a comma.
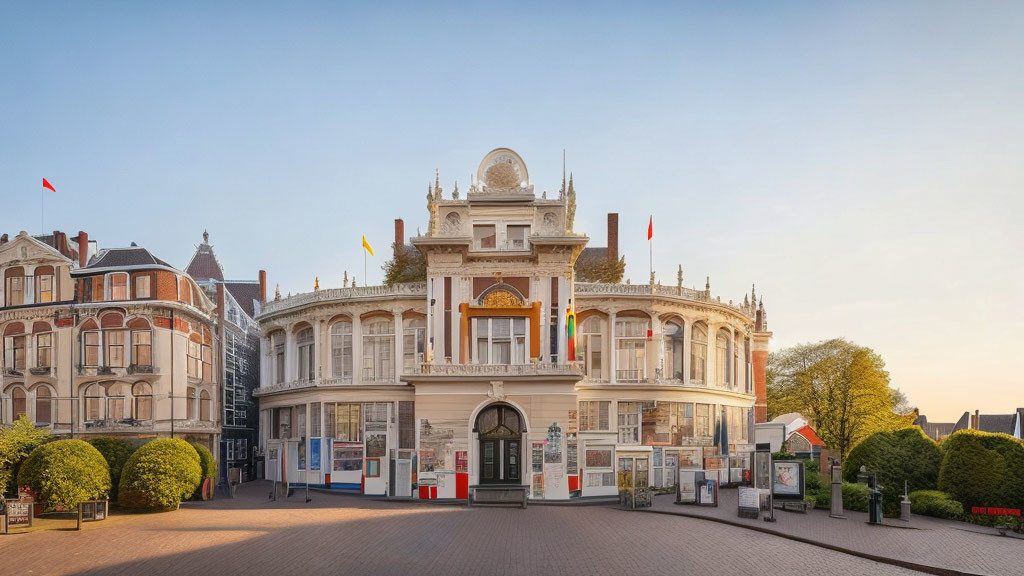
x: 350, y: 535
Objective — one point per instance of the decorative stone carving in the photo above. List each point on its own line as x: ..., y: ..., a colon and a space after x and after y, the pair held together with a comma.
x: 452, y: 224
x: 497, y: 390
x: 502, y: 299
x: 550, y: 223
x: 502, y: 176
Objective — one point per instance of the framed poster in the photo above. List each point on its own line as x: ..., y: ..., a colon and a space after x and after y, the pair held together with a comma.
x: 707, y: 493
x: 537, y: 457
x: 788, y: 479
x: 538, y: 485
x: 302, y: 455
x: 373, y: 467
x: 749, y: 502
x: 571, y: 454
x: 314, y: 454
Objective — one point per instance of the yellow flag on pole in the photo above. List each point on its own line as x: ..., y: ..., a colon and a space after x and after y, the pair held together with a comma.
x: 367, y: 246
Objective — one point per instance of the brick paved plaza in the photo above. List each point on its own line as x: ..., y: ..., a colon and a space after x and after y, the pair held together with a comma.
x: 348, y: 535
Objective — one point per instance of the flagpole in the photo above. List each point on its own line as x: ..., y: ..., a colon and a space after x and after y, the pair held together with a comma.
x: 365, y: 281
x: 650, y: 243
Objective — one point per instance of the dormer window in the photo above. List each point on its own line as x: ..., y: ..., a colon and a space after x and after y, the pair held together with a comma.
x: 484, y: 237
x: 15, y: 288
x: 117, y: 286
x: 142, y: 287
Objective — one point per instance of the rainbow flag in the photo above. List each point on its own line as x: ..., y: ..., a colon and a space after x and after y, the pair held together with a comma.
x: 570, y: 325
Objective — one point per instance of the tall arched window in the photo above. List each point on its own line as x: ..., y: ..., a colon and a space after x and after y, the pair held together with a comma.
x: 44, y: 284
x: 15, y: 342
x: 205, y: 406
x: 304, y: 343
x: 44, y: 400
x: 142, y: 342
x: 341, y: 350
x: 591, y: 345
x: 673, y: 351
x: 723, y: 373
x: 378, y: 350
x: 277, y: 362
x: 20, y: 402
x: 142, y: 394
x: 93, y: 402
x: 698, y: 353
x: 631, y: 349
x: 190, y: 400
x: 117, y: 401
x: 414, y: 346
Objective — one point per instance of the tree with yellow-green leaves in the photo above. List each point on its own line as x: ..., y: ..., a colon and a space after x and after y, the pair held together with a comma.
x: 841, y: 387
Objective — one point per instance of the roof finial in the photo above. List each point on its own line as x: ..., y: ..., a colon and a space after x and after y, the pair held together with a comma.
x: 455, y: 192
x: 570, y: 208
x: 344, y: 278
x: 206, y: 237
x: 316, y: 284
x: 561, y: 192
x: 437, y: 184
x: 753, y: 293
x: 277, y: 292
x: 707, y: 285
x: 679, y: 277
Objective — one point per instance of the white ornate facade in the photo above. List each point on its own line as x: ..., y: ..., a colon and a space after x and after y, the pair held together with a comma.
x: 431, y: 388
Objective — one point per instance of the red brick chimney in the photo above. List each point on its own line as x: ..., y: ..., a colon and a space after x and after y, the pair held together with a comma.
x: 83, y: 249
x: 613, y: 236
x: 399, y: 234
x: 263, y: 287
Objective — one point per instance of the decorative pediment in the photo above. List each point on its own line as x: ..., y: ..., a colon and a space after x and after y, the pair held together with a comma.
x: 501, y: 298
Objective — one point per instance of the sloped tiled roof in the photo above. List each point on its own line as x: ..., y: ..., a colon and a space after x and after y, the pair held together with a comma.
x: 120, y: 257
x: 811, y: 436
x: 963, y: 423
x: 204, y: 264
x: 999, y: 423
x: 246, y: 293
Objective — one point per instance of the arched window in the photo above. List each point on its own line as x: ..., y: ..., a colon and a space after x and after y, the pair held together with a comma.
x: 142, y: 394
x: 15, y: 341
x: 591, y: 345
x: 304, y: 341
x: 142, y: 347
x: 190, y: 400
x: 20, y: 402
x: 117, y: 404
x: 673, y: 351
x: 723, y: 373
x: 277, y: 364
x: 205, y: 406
x: 414, y: 347
x: 698, y: 353
x: 44, y: 345
x: 14, y: 282
x: 631, y: 349
x: 341, y: 350
x: 44, y: 400
x: 93, y: 402
x: 378, y: 350
x: 44, y: 284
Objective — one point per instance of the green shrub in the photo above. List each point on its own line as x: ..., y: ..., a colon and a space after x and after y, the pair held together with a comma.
x: 208, y: 465
x: 159, y: 475
x: 936, y: 504
x: 66, y: 472
x: 822, y: 497
x: 116, y: 452
x: 983, y: 469
x: 906, y: 455
x: 856, y: 496
x: 17, y: 441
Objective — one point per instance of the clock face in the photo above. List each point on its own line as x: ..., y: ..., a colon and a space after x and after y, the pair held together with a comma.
x: 503, y: 169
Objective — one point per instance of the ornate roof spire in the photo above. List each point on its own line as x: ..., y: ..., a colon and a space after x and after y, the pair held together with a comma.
x: 277, y: 292
x: 753, y: 293
x: 707, y: 286
x: 437, y: 184
x: 455, y: 192
x: 316, y: 284
x: 570, y: 209
x: 679, y: 276
x: 206, y: 237
x: 561, y: 191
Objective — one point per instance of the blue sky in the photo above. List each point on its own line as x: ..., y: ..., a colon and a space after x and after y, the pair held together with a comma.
x: 861, y: 162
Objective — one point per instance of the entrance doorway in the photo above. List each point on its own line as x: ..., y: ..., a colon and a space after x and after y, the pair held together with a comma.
x: 500, y: 430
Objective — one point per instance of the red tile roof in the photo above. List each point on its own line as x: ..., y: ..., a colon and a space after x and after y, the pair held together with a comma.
x: 811, y: 436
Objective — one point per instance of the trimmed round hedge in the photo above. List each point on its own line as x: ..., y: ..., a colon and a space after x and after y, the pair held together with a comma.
x: 64, y: 473
x: 208, y: 465
x: 904, y: 455
x: 159, y: 475
x: 936, y: 504
x: 983, y: 469
x: 116, y: 452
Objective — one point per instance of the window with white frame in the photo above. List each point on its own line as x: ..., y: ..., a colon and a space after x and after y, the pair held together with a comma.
x: 500, y: 340
x: 698, y: 353
x: 594, y: 415
x: 44, y: 350
x: 142, y: 347
x: 229, y: 449
x: 341, y: 350
x: 142, y: 397
x: 484, y: 237
x: 14, y: 351
x: 117, y: 286
x: 591, y: 341
x: 277, y: 344
x: 117, y: 404
x: 115, y: 347
x: 673, y: 351
x: 142, y: 286
x: 44, y: 288
x: 378, y: 350
x: 629, y: 422
x: 631, y: 349
x: 15, y: 290
x: 414, y: 346
x: 92, y: 347
x: 516, y: 236
x: 94, y: 400
x: 304, y: 345
x: 194, y: 359
x: 722, y: 370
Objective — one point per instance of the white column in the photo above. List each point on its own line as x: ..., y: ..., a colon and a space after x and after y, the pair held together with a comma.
x: 290, y: 371
x: 357, y: 349
x: 613, y: 360
x: 658, y: 340
x: 324, y: 350
x: 398, y: 345
x: 317, y: 340
x: 687, y: 330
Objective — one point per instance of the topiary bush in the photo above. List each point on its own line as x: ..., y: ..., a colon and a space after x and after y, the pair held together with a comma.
x: 936, y: 504
x: 17, y: 441
x: 159, y: 475
x: 904, y: 455
x: 66, y: 472
x: 983, y: 469
x: 208, y: 465
x: 116, y: 452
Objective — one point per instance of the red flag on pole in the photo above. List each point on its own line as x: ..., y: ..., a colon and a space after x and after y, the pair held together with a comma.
x: 650, y: 228
x: 47, y: 185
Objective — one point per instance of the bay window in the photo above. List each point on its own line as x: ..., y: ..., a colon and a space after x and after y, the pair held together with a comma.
x: 142, y: 286
x: 631, y: 349
x: 590, y: 341
x: 117, y: 286
x: 698, y: 353
x: 378, y: 350
x: 194, y: 359
x: 500, y: 340
x: 341, y: 350
x: 142, y: 348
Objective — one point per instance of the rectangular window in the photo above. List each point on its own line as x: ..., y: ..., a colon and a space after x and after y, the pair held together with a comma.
x: 115, y: 348
x: 330, y: 412
x: 142, y: 348
x: 142, y: 287
x: 629, y: 422
x: 14, y: 348
x: 406, y: 425
x: 44, y: 350
x: 15, y: 291
x: 348, y: 423
x: 594, y: 415
x: 93, y: 346
x: 301, y: 417
x: 44, y: 289
x: 207, y: 363
x: 314, y: 419
x: 516, y: 237
x: 194, y: 359
x: 686, y: 422
x: 703, y: 421
x: 229, y: 448
x: 484, y: 237
x: 118, y: 286
x: 500, y: 341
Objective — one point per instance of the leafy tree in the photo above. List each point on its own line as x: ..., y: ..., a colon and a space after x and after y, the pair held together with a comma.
x: 601, y: 270
x: 407, y: 265
x: 843, y: 388
x: 17, y: 441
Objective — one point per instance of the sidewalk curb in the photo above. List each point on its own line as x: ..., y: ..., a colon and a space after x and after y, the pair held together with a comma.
x: 881, y: 559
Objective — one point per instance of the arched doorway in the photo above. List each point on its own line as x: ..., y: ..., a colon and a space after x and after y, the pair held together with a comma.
x: 500, y: 430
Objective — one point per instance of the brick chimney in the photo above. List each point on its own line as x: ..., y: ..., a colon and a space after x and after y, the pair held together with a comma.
x: 83, y: 249
x: 613, y: 236
x: 263, y: 287
x: 399, y: 234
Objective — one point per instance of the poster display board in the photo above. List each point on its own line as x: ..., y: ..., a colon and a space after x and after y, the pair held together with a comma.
x: 315, y: 452
x: 788, y: 480
x: 749, y: 502
x: 18, y: 513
